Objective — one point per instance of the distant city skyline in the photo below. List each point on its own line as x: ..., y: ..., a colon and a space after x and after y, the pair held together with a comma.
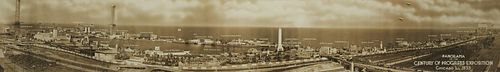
x: 260, y: 13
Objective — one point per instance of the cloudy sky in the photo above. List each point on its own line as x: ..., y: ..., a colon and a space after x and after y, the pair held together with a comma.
x: 260, y: 13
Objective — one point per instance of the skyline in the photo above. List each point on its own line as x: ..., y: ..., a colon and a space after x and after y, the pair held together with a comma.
x: 260, y: 13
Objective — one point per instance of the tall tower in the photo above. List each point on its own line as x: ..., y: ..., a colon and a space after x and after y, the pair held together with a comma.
x: 17, y: 23
x: 280, y: 37
x: 113, y: 20
x: 113, y: 14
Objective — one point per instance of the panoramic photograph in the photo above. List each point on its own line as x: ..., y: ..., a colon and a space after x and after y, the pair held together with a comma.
x: 249, y: 35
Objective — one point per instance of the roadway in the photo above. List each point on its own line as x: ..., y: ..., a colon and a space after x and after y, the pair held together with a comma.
x: 327, y: 66
x: 378, y: 67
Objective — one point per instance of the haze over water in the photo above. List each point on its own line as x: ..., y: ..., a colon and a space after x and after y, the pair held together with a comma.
x: 313, y: 37
x: 319, y: 34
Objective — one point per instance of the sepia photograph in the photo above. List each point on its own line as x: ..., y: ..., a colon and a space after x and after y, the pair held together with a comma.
x: 249, y: 35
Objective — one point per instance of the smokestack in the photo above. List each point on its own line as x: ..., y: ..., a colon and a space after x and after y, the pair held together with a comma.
x: 18, y: 12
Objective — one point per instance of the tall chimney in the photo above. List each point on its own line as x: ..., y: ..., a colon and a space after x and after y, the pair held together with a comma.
x: 113, y: 14
x: 113, y: 19
x: 18, y: 12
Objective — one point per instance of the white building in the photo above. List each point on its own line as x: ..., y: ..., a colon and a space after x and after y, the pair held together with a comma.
x: 327, y: 51
x: 157, y: 51
x: 306, y: 52
x: 51, y: 37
